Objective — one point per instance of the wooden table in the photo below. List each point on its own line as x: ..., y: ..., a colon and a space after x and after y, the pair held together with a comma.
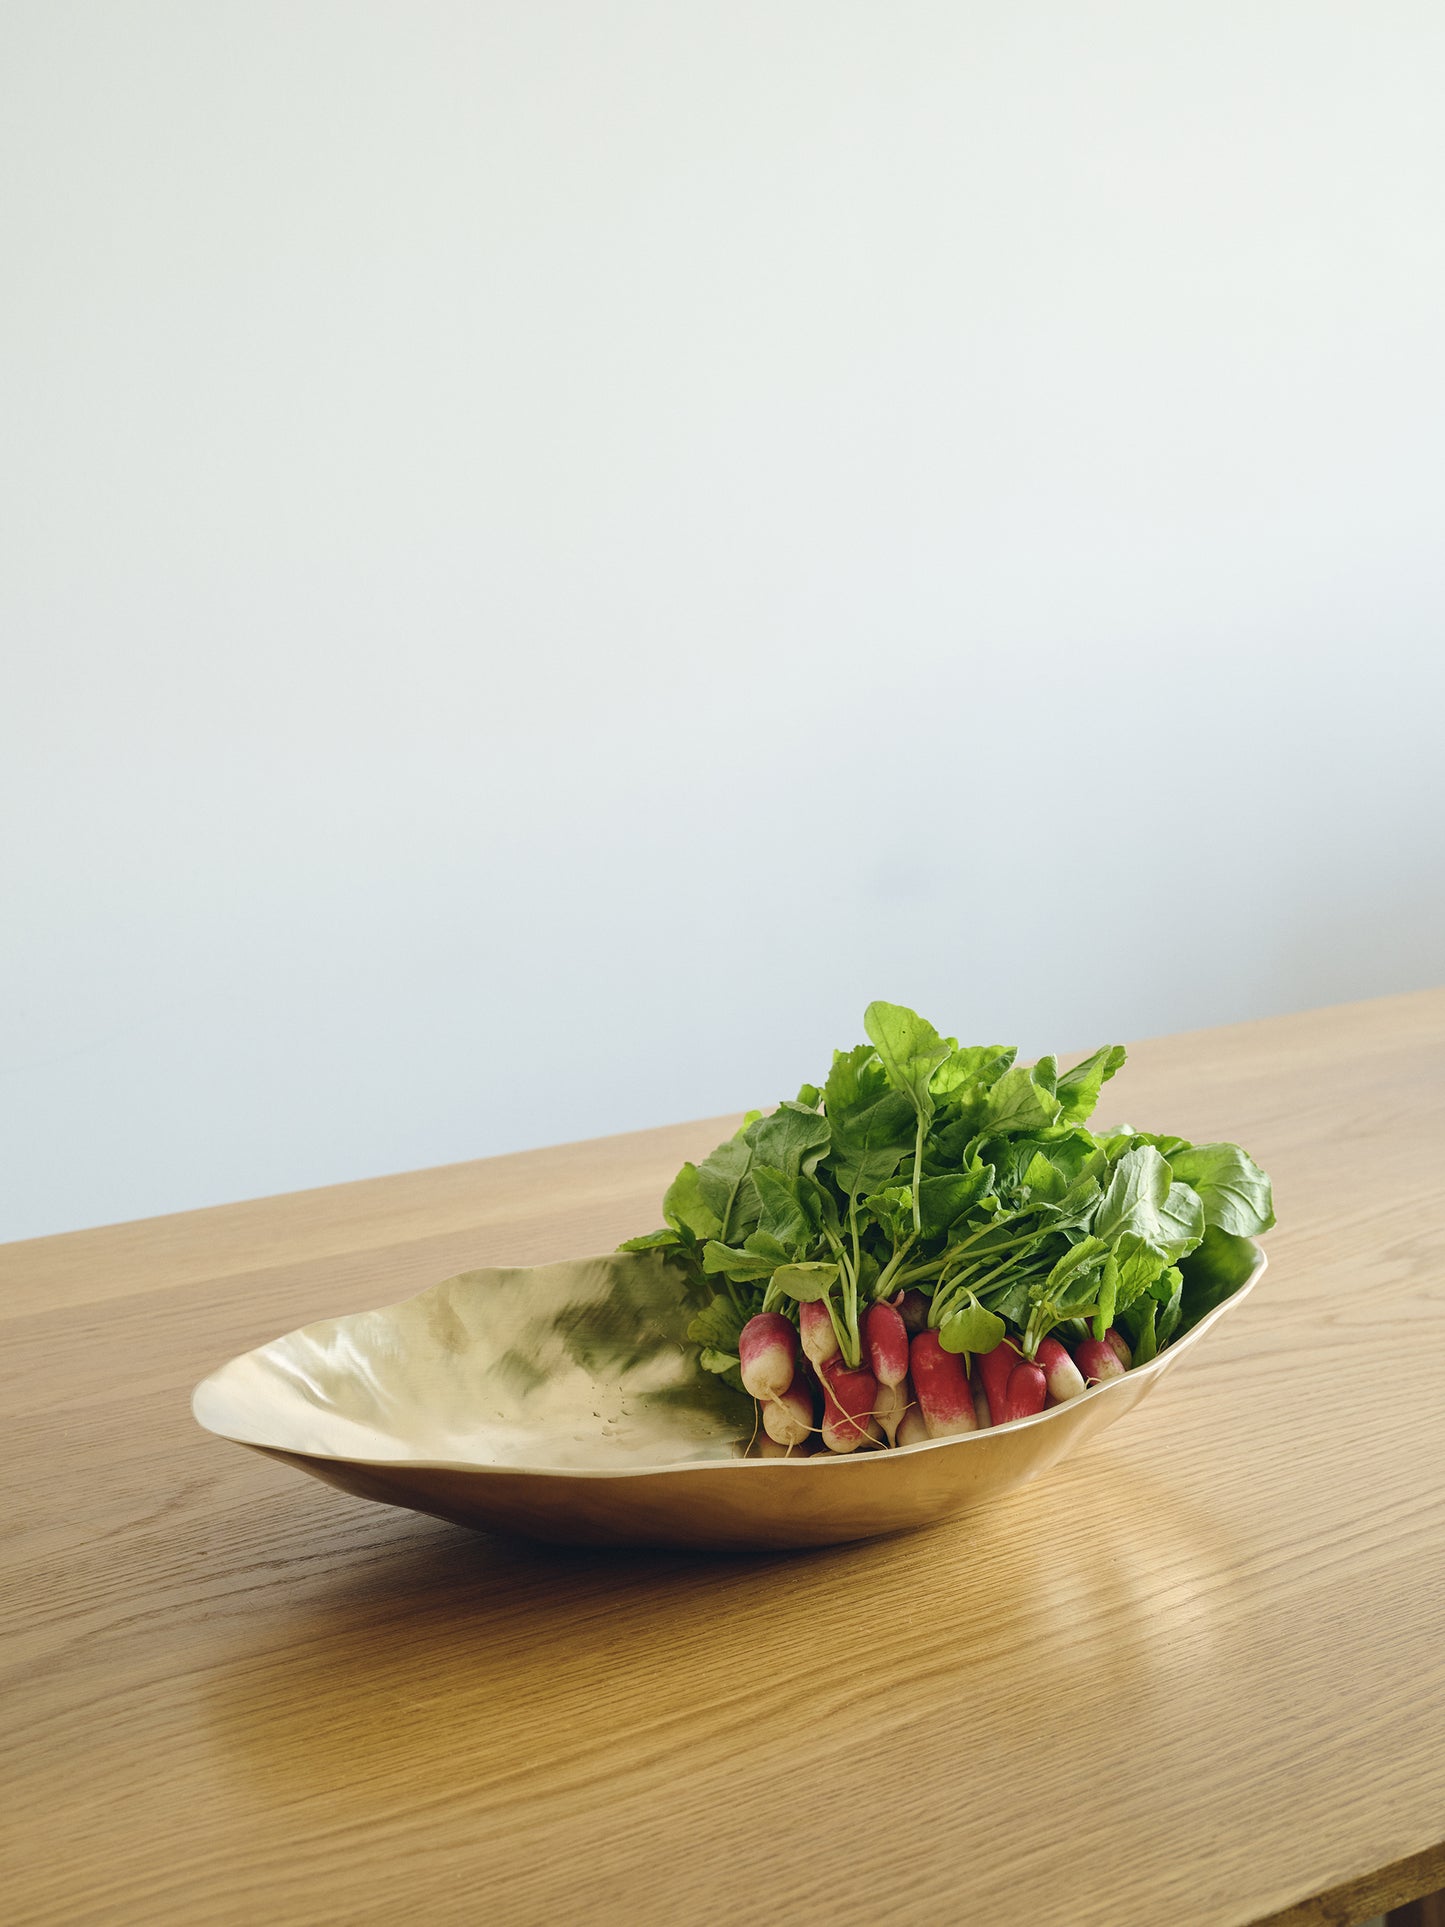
x: 1197, y: 1675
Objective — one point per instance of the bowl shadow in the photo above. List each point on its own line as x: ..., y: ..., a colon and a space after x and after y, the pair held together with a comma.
x: 417, y: 1659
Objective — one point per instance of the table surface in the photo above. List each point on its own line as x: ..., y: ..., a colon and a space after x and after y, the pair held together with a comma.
x: 1196, y: 1675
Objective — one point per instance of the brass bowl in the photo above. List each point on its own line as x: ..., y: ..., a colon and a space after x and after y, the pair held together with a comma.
x: 565, y: 1402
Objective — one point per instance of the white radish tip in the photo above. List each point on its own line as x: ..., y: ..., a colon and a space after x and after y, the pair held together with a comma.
x: 911, y: 1428
x: 788, y: 1419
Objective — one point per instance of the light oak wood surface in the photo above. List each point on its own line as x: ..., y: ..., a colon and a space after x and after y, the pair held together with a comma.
x: 1196, y: 1675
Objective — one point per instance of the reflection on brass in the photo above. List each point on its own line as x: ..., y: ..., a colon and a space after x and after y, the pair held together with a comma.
x: 565, y: 1402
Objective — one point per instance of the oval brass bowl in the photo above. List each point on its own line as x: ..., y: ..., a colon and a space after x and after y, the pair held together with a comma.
x: 564, y: 1402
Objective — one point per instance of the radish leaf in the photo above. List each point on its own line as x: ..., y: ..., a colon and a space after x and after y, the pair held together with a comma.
x: 687, y: 1209
x: 910, y: 1050
x: 1018, y: 1103
x: 1234, y: 1192
x: 970, y: 1329
x: 807, y: 1284
x: 1078, y: 1090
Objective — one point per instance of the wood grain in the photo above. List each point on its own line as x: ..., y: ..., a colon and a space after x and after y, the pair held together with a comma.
x: 1195, y: 1676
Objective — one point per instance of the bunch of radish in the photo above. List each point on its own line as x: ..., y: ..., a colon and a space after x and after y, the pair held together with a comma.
x: 934, y: 1238
x: 906, y: 1388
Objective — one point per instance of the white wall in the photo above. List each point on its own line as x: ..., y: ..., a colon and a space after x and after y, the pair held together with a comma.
x: 553, y: 549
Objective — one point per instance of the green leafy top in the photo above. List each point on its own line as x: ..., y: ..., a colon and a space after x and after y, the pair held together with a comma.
x: 974, y: 1179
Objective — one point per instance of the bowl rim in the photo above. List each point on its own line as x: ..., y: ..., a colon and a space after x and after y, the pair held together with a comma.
x: 1136, y: 1376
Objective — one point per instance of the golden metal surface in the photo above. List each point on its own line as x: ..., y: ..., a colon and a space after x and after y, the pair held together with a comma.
x: 564, y: 1402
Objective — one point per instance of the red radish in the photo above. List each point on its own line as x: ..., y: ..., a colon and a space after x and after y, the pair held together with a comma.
x: 820, y: 1341
x: 993, y: 1371
x: 767, y: 1355
x: 940, y: 1384
x: 1098, y: 1361
x: 848, y: 1399
x: 892, y: 1402
x: 1119, y: 1344
x: 980, y: 1403
x: 789, y: 1418
x: 912, y: 1428
x: 768, y: 1448
x: 886, y: 1342
x: 1066, y: 1381
x: 1025, y: 1394
x: 912, y: 1308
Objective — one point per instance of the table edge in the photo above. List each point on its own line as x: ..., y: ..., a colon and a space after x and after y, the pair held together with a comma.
x: 1395, y: 1884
